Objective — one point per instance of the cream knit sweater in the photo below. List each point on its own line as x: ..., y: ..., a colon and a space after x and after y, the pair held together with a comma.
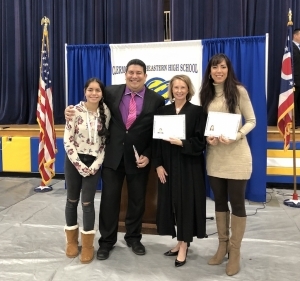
x: 232, y: 161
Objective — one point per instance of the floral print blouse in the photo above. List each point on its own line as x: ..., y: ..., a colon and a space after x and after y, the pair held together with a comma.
x: 81, y: 136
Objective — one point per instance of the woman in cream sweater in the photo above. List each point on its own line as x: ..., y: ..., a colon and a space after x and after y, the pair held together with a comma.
x: 229, y: 162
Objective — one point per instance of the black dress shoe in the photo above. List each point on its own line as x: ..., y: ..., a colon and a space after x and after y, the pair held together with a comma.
x: 171, y: 254
x: 181, y: 263
x: 137, y: 247
x: 103, y: 253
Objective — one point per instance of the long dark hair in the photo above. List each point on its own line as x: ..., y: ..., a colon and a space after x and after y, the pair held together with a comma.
x: 103, y: 132
x: 207, y: 92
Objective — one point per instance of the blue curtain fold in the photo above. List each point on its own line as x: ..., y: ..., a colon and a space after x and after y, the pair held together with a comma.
x: 20, y: 54
x: 202, y: 19
x: 247, y: 55
x: 84, y: 62
x: 134, y: 21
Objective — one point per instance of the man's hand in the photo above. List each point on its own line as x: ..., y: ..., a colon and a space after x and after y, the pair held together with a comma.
x: 142, y: 162
x: 69, y: 112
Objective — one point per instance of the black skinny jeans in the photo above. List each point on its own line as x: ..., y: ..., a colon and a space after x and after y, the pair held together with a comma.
x: 88, y: 186
x: 225, y: 189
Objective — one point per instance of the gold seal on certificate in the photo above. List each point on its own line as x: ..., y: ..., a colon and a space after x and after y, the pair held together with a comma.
x: 220, y: 123
x: 166, y: 126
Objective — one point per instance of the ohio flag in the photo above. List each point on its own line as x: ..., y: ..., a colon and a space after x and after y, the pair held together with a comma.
x: 286, y: 97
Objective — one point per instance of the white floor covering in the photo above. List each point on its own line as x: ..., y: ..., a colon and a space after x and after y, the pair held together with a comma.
x: 32, y: 242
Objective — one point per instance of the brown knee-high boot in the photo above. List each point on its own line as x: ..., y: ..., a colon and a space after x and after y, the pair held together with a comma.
x: 87, y: 242
x: 72, y: 241
x: 238, y: 226
x: 222, y: 221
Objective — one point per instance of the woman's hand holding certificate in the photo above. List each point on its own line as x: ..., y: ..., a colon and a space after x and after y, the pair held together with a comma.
x: 225, y: 140
x: 215, y: 140
x: 174, y: 141
x: 212, y: 140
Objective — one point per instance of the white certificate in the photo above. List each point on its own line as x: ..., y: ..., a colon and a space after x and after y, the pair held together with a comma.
x: 166, y: 126
x: 219, y: 123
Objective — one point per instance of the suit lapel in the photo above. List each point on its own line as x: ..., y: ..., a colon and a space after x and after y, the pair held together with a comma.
x: 116, y: 105
x: 296, y: 48
x: 147, y: 104
x: 147, y: 101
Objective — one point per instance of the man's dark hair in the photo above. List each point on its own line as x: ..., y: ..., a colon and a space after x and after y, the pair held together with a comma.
x: 296, y: 31
x: 136, y: 62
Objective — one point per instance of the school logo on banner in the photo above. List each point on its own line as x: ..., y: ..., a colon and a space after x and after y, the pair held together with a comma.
x: 160, y: 86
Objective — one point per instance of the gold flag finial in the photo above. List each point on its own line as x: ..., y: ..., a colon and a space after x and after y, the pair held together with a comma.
x: 290, y: 17
x: 45, y: 21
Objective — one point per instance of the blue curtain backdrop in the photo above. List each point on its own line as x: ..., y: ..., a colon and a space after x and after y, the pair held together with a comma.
x: 71, y: 22
x: 133, y: 21
x: 20, y: 53
x: 120, y: 21
x: 203, y: 19
x: 247, y: 55
x: 84, y: 62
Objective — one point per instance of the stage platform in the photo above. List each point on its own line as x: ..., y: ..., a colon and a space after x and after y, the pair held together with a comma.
x: 27, y: 130
x: 25, y: 138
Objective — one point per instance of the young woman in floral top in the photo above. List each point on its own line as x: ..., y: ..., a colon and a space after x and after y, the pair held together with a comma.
x: 84, y: 141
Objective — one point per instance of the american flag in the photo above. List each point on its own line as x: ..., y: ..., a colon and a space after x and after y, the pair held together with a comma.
x: 47, y: 141
x: 286, y: 97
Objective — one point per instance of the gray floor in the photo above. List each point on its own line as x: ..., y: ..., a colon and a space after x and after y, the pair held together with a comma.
x: 32, y: 242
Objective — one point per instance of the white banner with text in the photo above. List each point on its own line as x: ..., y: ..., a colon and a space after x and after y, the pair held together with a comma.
x: 163, y: 60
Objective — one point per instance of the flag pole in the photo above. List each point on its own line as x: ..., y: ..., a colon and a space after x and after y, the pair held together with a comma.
x: 47, y: 137
x: 294, y: 202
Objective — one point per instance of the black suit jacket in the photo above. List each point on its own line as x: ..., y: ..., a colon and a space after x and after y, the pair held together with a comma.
x: 139, y: 134
x: 296, y: 65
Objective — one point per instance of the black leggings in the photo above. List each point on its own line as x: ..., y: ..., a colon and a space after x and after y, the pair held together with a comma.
x: 88, y: 186
x: 225, y: 189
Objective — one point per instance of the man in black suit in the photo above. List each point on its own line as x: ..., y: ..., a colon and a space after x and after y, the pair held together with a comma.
x: 296, y: 72
x: 120, y: 160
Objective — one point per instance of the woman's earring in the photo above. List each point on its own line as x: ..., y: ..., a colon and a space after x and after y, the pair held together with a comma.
x: 209, y: 76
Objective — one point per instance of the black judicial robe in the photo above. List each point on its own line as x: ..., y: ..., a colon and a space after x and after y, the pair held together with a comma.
x: 181, y: 200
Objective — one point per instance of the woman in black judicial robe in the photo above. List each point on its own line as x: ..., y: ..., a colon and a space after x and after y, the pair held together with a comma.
x: 180, y: 168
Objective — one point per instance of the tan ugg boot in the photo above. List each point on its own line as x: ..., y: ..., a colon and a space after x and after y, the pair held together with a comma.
x: 222, y: 221
x: 72, y: 241
x: 87, y: 250
x: 238, y: 226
